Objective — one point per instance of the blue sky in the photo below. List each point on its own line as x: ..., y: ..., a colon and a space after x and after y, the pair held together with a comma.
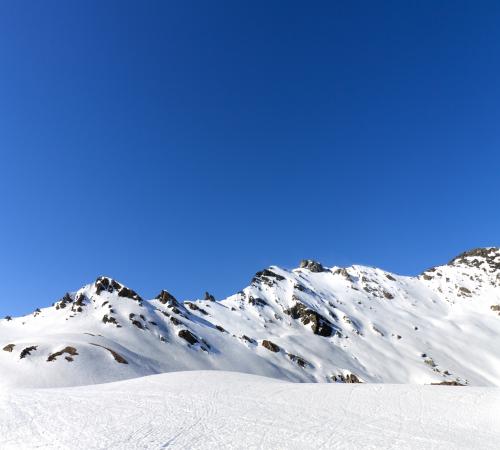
x: 186, y: 145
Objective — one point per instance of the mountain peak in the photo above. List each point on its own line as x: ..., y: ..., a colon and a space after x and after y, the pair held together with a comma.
x: 110, y: 285
x: 341, y: 324
x: 481, y: 257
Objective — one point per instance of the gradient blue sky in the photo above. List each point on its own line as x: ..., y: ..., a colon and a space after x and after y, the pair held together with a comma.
x: 186, y: 145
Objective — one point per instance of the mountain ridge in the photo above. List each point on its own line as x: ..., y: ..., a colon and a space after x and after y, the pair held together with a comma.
x: 312, y: 323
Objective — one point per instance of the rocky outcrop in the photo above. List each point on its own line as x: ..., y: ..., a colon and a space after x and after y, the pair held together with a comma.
x: 27, y: 351
x: 195, y: 307
x: 9, y: 348
x: 487, y: 258
x: 298, y: 360
x: 188, y: 336
x: 248, y: 339
x: 61, y: 304
x: 349, y: 378
x: 167, y: 298
x: 117, y: 357
x: 71, y: 351
x: 256, y: 301
x: 313, y: 266
x: 209, y: 297
x: 267, y: 277
x: 110, y: 285
x: 271, y: 346
x: 448, y: 383
x: 319, y: 324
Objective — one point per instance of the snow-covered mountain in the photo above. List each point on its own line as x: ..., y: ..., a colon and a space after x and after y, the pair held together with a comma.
x: 309, y: 324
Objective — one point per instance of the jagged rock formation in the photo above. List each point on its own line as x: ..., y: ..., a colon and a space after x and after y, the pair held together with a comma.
x: 312, y: 323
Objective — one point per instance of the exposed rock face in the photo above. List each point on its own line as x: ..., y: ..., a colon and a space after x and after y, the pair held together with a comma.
x: 61, y: 304
x: 209, y: 297
x: 166, y: 297
x: 9, y: 348
x: 448, y: 383
x: 71, y: 351
x: 256, y: 301
x: 195, y: 307
x: 297, y: 359
x: 118, y: 358
x: 267, y: 277
x: 248, y: 339
x: 320, y: 325
x: 110, y: 285
x: 313, y: 266
x: 188, y: 336
x: 271, y: 346
x: 349, y: 378
x: 27, y: 351
x: 485, y: 258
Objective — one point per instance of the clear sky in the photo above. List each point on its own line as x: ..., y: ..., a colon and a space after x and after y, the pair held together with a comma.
x: 185, y: 145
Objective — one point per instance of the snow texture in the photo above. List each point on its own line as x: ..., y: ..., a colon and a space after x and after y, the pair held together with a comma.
x: 209, y: 409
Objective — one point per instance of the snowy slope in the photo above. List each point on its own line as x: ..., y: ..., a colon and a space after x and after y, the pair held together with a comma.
x: 230, y: 410
x: 309, y: 324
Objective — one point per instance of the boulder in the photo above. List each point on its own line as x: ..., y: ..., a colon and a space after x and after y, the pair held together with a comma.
x: 188, y: 336
x: 271, y: 346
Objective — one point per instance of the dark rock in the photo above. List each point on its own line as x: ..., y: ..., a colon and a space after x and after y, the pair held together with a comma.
x: 110, y: 285
x: 27, y: 351
x: 166, y: 297
x: 137, y: 324
x: 109, y: 319
x: 129, y: 293
x: 195, y: 307
x: 448, y: 383
x: 248, y: 339
x: 297, y: 359
x: 320, y: 325
x: 256, y: 301
x: 175, y: 321
x: 69, y: 350
x: 222, y: 330
x: 267, y: 277
x: 349, y: 378
x: 188, y: 336
x: 271, y: 346
x: 9, y: 348
x: 8, y: 318
x: 118, y: 358
x: 209, y: 297
x: 313, y: 266
x: 465, y: 292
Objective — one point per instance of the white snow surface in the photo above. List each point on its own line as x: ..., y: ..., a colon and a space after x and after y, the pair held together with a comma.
x: 442, y: 326
x: 217, y: 409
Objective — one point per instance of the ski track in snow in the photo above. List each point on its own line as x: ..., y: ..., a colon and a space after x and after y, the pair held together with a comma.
x: 212, y: 409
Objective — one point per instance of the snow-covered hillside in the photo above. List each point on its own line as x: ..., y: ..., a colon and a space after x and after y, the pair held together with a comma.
x: 309, y: 324
x: 230, y: 410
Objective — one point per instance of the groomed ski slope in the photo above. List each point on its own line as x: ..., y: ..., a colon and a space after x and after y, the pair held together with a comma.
x: 214, y: 409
